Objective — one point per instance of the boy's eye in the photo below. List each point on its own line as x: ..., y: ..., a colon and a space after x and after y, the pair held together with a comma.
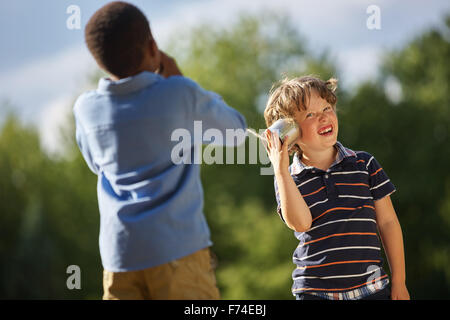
x: 309, y: 115
x: 327, y: 108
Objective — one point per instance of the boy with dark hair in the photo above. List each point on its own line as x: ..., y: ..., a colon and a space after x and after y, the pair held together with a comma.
x: 154, y: 238
x: 117, y: 36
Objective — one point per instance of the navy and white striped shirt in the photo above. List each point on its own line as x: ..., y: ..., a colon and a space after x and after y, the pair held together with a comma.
x: 339, y: 257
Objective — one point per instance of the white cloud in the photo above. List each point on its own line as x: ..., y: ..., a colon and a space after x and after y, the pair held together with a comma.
x: 359, y: 63
x: 33, y: 85
x: 53, y: 117
x: 393, y: 90
x: 337, y: 26
x: 43, y: 91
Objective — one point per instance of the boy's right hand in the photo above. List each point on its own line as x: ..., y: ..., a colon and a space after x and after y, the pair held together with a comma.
x: 278, y: 152
x: 168, y: 66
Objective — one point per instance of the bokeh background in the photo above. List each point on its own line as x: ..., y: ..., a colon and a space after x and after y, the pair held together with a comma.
x: 394, y: 102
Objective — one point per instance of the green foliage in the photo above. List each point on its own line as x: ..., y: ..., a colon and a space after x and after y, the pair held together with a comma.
x: 241, y: 64
x: 48, y: 219
x: 411, y: 141
x: 423, y: 70
x: 49, y: 216
x: 254, y: 250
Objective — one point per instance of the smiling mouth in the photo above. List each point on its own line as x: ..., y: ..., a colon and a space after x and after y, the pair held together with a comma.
x: 325, y: 131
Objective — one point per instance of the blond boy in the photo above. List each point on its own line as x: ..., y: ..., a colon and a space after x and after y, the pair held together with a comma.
x: 335, y: 199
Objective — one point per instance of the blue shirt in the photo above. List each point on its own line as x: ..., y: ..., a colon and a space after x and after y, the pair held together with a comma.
x: 339, y: 257
x: 151, y: 209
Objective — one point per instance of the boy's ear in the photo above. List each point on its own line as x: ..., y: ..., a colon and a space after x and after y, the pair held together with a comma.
x: 153, y: 54
x: 153, y: 48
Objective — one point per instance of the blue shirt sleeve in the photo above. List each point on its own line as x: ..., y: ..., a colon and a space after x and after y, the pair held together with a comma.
x: 80, y: 137
x: 214, y: 113
x: 379, y: 183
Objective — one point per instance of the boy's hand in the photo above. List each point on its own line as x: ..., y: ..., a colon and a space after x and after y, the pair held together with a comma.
x: 399, y: 292
x: 168, y: 66
x: 277, y: 152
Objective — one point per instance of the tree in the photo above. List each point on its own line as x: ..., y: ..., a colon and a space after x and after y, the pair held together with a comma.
x: 410, y: 137
x: 48, y: 208
x: 241, y: 63
x: 48, y: 219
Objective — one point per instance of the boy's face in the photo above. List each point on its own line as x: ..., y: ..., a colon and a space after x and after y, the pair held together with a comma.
x: 318, y: 124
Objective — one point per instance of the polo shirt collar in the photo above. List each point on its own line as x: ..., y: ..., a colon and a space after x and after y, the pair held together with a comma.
x: 127, y: 85
x: 342, y: 152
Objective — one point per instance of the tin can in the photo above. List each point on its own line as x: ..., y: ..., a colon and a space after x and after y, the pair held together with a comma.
x: 286, y: 127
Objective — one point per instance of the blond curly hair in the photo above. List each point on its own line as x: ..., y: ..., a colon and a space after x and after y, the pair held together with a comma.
x: 291, y: 95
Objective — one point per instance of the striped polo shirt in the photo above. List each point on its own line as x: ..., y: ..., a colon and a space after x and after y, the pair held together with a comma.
x: 339, y: 257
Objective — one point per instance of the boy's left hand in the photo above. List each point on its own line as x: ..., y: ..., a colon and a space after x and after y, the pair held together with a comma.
x: 399, y: 292
x: 168, y: 66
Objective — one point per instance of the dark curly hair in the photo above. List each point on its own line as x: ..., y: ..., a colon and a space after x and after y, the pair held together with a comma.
x: 116, y: 35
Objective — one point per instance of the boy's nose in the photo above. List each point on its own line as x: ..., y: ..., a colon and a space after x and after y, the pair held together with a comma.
x: 322, y: 117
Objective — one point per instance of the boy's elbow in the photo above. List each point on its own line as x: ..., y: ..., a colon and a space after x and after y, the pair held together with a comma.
x: 299, y: 221
x: 243, y: 122
x: 239, y: 121
x: 300, y: 227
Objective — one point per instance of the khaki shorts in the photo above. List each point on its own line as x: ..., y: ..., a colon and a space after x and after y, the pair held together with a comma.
x: 188, y: 278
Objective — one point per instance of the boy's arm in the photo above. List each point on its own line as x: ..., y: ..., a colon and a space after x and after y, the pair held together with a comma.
x: 207, y: 106
x: 294, y: 210
x: 215, y: 114
x: 168, y: 66
x: 392, y: 239
x: 83, y: 146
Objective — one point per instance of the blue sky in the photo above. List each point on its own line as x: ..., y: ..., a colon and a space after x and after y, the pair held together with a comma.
x: 44, y: 65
